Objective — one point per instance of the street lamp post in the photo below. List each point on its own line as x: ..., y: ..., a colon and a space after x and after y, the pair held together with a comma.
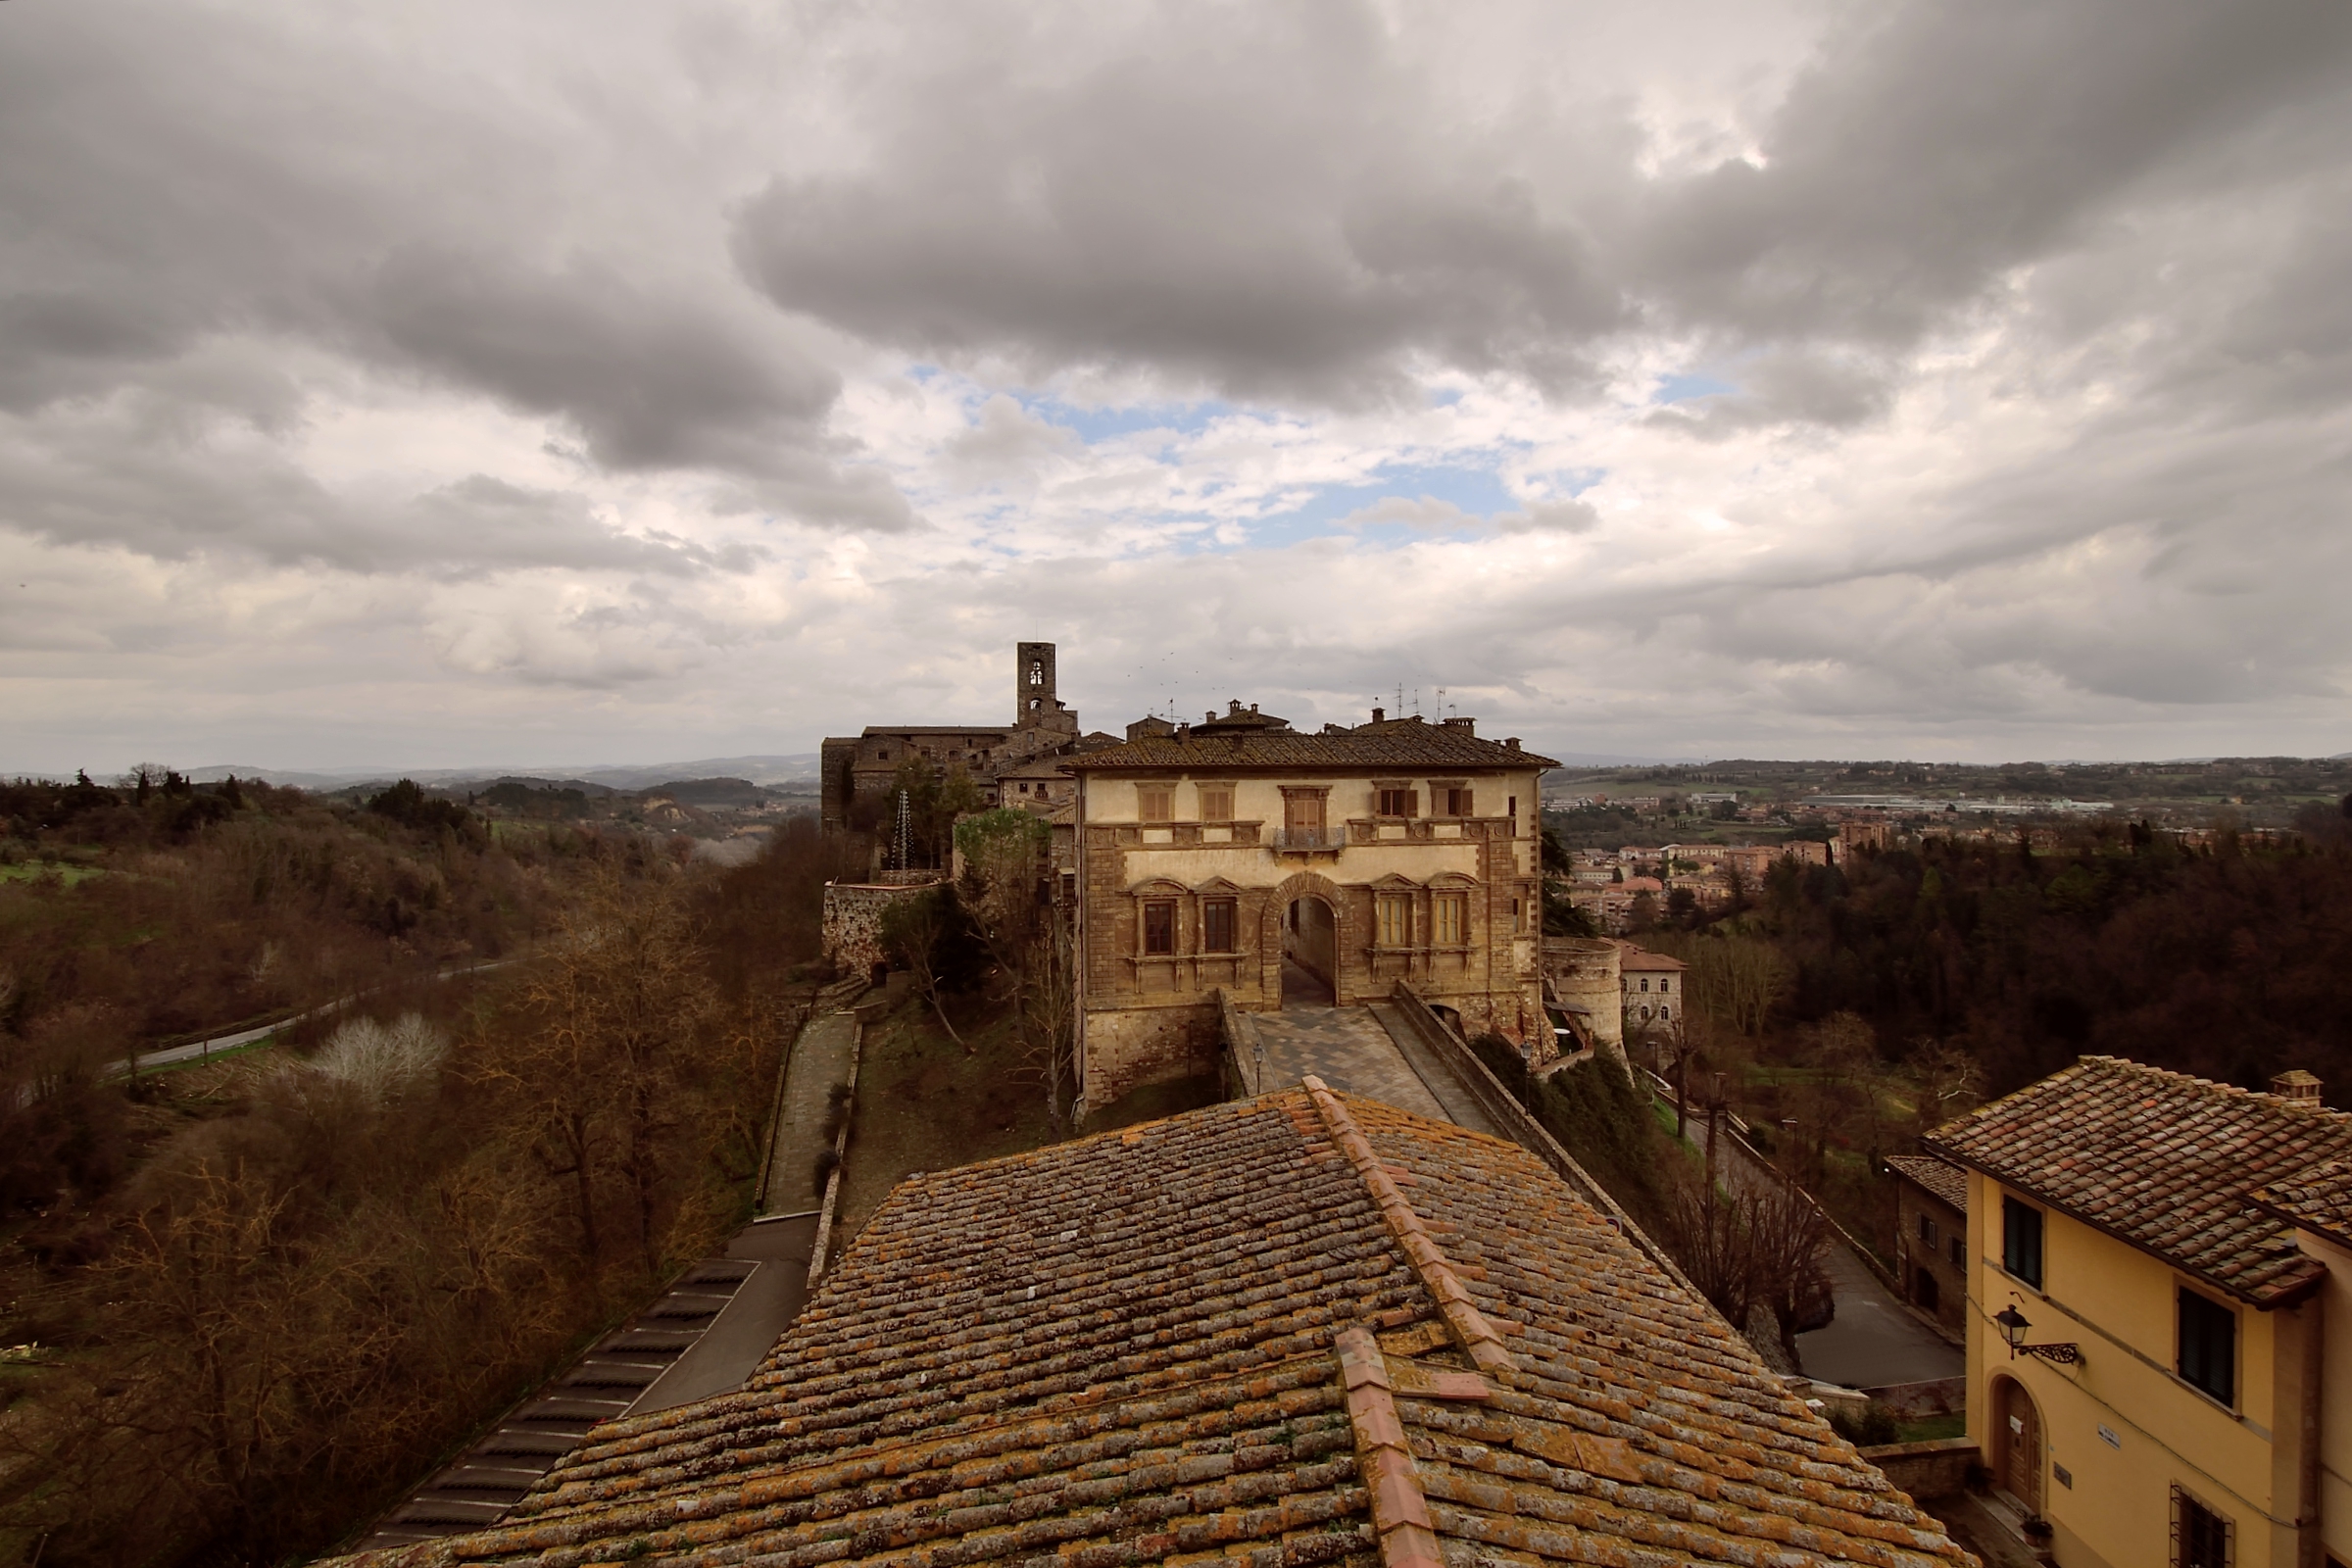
x: 2013, y: 1325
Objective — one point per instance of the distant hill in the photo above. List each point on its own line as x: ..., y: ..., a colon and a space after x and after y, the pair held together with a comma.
x: 797, y: 768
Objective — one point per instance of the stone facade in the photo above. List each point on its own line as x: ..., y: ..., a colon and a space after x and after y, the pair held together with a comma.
x: 852, y: 921
x: 1931, y: 1244
x: 1581, y: 978
x: 1208, y: 856
x: 860, y: 767
x: 1652, y: 985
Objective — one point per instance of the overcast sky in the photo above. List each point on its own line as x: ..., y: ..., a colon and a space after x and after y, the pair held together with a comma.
x: 464, y: 382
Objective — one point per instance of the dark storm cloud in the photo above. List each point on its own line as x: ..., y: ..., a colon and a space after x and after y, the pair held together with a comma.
x: 1928, y: 150
x: 1249, y: 203
x: 1284, y: 204
x: 189, y: 177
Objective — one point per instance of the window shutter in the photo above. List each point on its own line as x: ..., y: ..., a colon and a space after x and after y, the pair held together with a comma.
x: 1412, y: 803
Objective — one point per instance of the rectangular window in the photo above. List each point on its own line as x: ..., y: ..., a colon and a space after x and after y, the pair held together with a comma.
x: 1453, y: 801
x: 2209, y: 1347
x: 1959, y: 1252
x: 1156, y: 803
x: 1216, y: 803
x: 1394, y: 802
x: 1927, y: 1230
x: 1303, y: 814
x: 1394, y: 914
x: 1160, y: 926
x: 1217, y: 924
x: 2200, y: 1536
x: 1452, y: 911
x: 2020, y: 1241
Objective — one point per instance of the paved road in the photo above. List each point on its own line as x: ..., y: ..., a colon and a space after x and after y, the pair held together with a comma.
x: 762, y: 1307
x: 820, y: 1058
x: 1875, y: 1341
x: 198, y: 1050
x: 1347, y: 1049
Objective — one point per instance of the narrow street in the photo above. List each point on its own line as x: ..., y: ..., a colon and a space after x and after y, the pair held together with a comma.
x: 1875, y: 1341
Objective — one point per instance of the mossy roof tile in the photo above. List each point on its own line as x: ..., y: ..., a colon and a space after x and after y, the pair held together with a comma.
x: 1169, y: 1391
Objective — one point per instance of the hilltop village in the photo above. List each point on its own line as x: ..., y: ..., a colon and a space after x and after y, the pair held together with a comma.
x: 1368, y: 1303
x: 1216, y: 1139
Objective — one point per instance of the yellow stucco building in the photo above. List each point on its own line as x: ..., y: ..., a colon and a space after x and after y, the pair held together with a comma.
x: 2154, y: 1264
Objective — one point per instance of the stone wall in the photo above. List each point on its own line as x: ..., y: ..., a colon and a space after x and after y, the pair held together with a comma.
x: 1585, y: 974
x: 853, y: 922
x: 1126, y: 1048
x: 1926, y: 1470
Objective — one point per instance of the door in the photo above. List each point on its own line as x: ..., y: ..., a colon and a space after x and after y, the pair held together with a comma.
x: 2020, y: 1437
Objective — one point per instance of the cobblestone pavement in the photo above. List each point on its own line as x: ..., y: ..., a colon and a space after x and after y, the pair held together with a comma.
x: 1346, y: 1047
x: 820, y: 1058
x: 1460, y: 1108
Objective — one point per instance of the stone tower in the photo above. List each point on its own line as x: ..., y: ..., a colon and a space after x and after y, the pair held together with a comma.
x: 1034, y: 703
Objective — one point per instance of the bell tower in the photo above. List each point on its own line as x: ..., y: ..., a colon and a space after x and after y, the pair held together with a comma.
x: 1033, y: 701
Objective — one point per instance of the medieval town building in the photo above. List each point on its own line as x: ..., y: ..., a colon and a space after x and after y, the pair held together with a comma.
x: 857, y: 769
x: 1242, y: 858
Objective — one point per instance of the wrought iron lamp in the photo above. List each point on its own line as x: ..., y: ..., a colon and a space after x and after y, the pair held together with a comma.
x: 2013, y: 1326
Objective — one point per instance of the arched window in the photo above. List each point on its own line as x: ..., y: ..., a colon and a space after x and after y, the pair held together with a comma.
x: 1036, y: 673
x: 1665, y: 1014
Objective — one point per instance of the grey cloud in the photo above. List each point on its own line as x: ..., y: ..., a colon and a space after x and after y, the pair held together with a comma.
x: 1287, y: 205
x: 1930, y: 150
x: 652, y: 382
x: 211, y: 179
x: 1007, y: 446
x: 1787, y: 387
x: 152, y: 481
x: 1248, y: 205
x: 1551, y: 517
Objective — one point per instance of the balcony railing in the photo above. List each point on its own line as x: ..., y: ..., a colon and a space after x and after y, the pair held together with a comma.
x: 1310, y: 840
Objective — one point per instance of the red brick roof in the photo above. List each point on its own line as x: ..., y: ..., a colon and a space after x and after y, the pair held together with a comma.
x: 1302, y: 1329
x: 2318, y: 1200
x: 1640, y: 960
x: 1392, y: 743
x: 2162, y: 1161
x: 1941, y: 1179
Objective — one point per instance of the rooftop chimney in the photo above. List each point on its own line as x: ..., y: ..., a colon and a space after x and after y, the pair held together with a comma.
x: 1378, y: 716
x: 2296, y: 1084
x: 1511, y: 741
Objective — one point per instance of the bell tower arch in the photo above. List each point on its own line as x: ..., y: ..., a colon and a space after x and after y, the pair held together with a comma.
x: 1034, y: 702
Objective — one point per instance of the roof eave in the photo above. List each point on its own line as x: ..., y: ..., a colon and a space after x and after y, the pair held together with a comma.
x: 2262, y: 1299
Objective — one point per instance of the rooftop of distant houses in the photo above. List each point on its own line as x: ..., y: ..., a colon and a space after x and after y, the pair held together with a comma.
x: 2167, y: 1163
x: 1301, y: 1329
x: 1942, y: 1178
x: 1246, y: 738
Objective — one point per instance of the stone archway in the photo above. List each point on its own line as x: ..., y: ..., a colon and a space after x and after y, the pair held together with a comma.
x: 1305, y: 926
x: 2017, y: 1458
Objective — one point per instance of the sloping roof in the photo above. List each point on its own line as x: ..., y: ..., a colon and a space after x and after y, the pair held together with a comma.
x: 1393, y: 743
x: 1942, y: 1180
x: 1044, y: 767
x: 2318, y: 1199
x: 1634, y: 960
x: 1298, y: 1330
x: 2163, y: 1160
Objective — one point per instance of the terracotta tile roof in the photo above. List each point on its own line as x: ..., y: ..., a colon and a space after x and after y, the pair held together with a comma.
x: 1632, y: 959
x: 1214, y: 1338
x: 2163, y: 1160
x: 1393, y: 743
x: 2318, y: 1199
x: 1942, y: 1179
